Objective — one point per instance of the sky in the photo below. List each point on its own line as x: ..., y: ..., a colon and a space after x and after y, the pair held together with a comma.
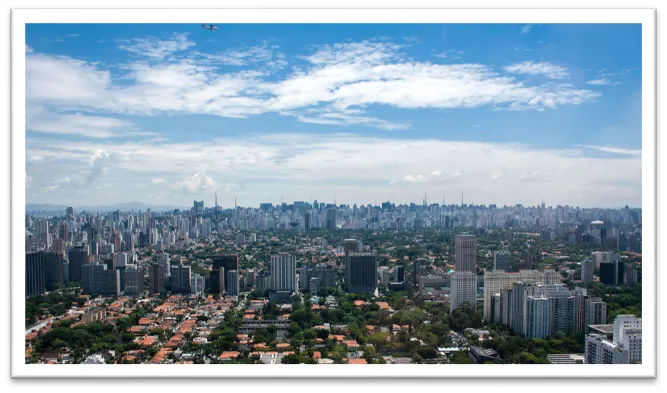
x: 170, y: 113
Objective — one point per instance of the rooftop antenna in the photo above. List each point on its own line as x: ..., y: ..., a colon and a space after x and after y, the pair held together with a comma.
x: 235, y: 203
x: 461, y: 198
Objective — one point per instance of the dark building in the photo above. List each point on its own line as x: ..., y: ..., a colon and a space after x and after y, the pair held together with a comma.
x: 34, y: 273
x: 331, y: 218
x: 612, y: 273
x: 96, y: 279
x: 482, y: 355
x: 399, y: 274
x: 222, y: 264
x: 307, y: 221
x: 361, y: 272
x: 156, y: 278
x: 78, y: 256
x: 53, y: 270
x: 180, y: 279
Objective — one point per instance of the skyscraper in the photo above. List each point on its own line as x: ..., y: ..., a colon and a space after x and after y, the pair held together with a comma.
x: 595, y: 312
x: 466, y: 253
x: 53, y: 269
x: 331, y: 218
x: 221, y: 265
x: 180, y: 279
x: 78, y: 256
x: 233, y: 282
x: 283, y: 272
x: 361, y: 272
x: 537, y: 316
x: 34, y: 273
x: 134, y: 280
x: 96, y: 279
x: 156, y: 278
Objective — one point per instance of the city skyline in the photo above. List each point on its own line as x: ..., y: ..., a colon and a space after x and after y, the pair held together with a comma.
x: 163, y: 114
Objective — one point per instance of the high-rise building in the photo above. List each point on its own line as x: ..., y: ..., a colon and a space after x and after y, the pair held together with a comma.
x: 34, y: 273
x: 537, y: 316
x: 221, y: 265
x: 156, y: 278
x: 587, y: 270
x: 283, y: 272
x: 134, y: 280
x: 612, y: 272
x: 331, y: 218
x: 399, y: 274
x: 595, y: 311
x: 496, y: 281
x: 624, y: 322
x: 233, y: 283
x: 77, y: 256
x: 599, y: 350
x: 361, y: 272
x: 53, y: 270
x: 96, y: 279
x: 463, y: 290
x: 466, y: 253
x: 180, y: 279
x: 501, y: 260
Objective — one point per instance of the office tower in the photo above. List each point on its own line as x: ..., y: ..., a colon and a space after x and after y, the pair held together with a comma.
x: 466, y: 253
x: 283, y: 272
x: 198, y: 207
x: 595, y: 311
x: 361, y: 272
x: 599, y: 350
x: 537, y: 316
x: 463, y: 290
x: 34, y: 273
x: 629, y: 277
x: 196, y: 284
x: 240, y: 239
x: 156, y: 278
x: 351, y: 245
x: 233, y: 283
x: 69, y: 212
x: 399, y: 274
x: 612, y: 272
x: 501, y: 260
x: 632, y: 341
x: 221, y: 265
x: 53, y: 270
x: 77, y: 256
x: 96, y: 279
x: 134, y: 280
x: 314, y: 284
x: 304, y: 278
x: 587, y: 270
x: 307, y: 221
x: 331, y: 218
x: 180, y: 279
x: 604, y: 256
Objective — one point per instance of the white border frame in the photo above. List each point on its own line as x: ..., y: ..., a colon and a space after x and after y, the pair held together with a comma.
x: 647, y: 17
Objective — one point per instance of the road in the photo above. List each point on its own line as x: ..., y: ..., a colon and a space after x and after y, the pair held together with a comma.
x: 37, y: 327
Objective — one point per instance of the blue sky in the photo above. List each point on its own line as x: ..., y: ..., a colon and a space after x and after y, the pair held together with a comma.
x: 169, y: 113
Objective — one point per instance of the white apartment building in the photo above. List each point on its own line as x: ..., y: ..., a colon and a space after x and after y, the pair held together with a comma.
x: 463, y: 290
x: 602, y: 351
x: 496, y: 281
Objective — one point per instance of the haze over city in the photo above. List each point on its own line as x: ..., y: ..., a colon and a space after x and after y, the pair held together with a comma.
x: 168, y: 114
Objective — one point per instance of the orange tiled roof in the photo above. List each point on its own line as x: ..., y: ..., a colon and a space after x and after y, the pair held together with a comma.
x: 351, y: 344
x: 282, y: 345
x: 229, y: 355
x: 337, y: 337
x: 317, y: 355
x: 357, y: 361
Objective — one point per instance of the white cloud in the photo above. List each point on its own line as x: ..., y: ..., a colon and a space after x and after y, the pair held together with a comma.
x: 436, y: 172
x: 547, y: 69
x: 156, y: 48
x: 197, y: 183
x: 525, y: 29
x: 76, y: 124
x: 299, y: 166
x: 159, y: 180
x: 28, y: 180
x: 336, y: 86
x: 28, y: 49
x: 615, y: 150
x: 496, y: 176
x: 601, y: 81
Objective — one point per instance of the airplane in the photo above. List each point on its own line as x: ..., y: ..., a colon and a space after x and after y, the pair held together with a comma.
x: 209, y: 27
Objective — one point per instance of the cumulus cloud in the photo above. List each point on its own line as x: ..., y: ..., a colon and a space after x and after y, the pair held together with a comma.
x: 159, y: 180
x: 547, y: 69
x: 97, y: 162
x: 76, y: 124
x: 436, y: 172
x: 197, y: 183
